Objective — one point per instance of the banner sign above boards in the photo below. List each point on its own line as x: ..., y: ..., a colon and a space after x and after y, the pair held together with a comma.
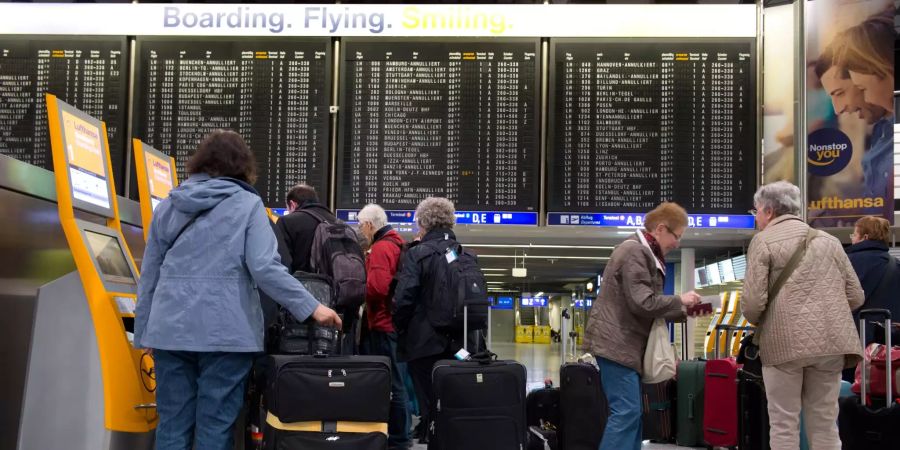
x: 380, y: 20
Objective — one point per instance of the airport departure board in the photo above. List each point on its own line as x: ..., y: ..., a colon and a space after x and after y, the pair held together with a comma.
x: 458, y: 119
x: 86, y: 72
x: 637, y: 122
x: 275, y: 93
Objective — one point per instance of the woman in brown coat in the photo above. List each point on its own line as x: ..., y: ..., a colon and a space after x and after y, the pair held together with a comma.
x: 806, y: 332
x: 619, y: 323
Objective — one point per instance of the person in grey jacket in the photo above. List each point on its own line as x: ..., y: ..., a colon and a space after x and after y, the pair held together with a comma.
x: 209, y: 247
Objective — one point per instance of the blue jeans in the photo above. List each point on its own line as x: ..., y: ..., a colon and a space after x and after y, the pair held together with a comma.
x: 199, y: 396
x: 622, y: 387
x: 380, y: 343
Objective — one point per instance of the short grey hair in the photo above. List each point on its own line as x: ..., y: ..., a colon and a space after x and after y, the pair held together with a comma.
x: 435, y: 212
x: 373, y: 214
x: 781, y: 197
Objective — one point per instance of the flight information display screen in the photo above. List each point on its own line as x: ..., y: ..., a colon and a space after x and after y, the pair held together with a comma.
x: 457, y: 118
x: 275, y: 93
x: 637, y: 122
x: 88, y: 73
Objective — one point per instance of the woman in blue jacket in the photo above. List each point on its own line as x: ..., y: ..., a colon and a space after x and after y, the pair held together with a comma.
x: 209, y: 247
x: 879, y: 278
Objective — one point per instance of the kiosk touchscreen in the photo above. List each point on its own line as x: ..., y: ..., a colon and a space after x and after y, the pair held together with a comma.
x: 155, y: 178
x: 82, y: 355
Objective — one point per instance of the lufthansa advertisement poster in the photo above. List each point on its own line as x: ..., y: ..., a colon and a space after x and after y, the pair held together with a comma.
x: 850, y: 111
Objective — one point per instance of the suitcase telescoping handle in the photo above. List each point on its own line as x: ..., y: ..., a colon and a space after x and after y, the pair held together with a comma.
x: 564, y: 333
x: 728, y: 330
x: 466, y: 326
x: 864, y: 316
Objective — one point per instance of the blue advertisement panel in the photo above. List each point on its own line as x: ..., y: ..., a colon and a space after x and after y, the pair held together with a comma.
x: 850, y: 111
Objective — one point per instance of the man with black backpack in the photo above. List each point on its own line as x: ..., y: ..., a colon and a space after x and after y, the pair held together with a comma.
x: 436, y: 280
x: 319, y: 243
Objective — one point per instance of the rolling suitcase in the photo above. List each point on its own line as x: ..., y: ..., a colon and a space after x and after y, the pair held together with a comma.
x: 316, y: 402
x: 583, y: 410
x: 863, y: 427
x: 542, y: 406
x: 753, y: 412
x: 658, y: 404
x: 689, y: 393
x: 479, y: 403
x: 720, y: 402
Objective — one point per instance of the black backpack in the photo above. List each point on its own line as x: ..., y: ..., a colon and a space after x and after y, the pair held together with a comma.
x: 335, y: 252
x: 454, y: 284
x: 290, y: 336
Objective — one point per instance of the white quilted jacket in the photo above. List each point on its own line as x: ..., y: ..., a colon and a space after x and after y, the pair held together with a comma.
x: 812, y: 314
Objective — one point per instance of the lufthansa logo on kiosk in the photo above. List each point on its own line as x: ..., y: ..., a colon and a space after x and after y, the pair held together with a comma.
x: 829, y: 152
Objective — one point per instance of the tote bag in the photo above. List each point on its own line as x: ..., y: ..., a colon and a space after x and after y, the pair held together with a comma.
x: 659, y: 357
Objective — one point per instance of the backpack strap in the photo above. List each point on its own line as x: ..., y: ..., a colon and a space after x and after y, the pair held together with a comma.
x: 314, y: 215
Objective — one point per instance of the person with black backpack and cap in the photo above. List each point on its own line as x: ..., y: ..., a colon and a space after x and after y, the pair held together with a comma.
x: 319, y: 243
x: 425, y: 331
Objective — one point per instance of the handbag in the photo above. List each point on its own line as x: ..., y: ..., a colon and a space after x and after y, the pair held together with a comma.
x: 748, y: 355
x: 659, y: 357
x: 876, y: 359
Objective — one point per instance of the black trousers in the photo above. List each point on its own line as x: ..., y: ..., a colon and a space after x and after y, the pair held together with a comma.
x: 420, y: 372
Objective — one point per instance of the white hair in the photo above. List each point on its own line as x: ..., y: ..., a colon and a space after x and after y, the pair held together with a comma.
x: 373, y: 214
x: 781, y: 197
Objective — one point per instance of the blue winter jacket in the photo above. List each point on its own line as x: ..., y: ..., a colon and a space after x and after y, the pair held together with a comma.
x: 201, y: 294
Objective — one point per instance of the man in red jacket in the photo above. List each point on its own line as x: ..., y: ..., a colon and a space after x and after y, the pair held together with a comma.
x: 381, y: 264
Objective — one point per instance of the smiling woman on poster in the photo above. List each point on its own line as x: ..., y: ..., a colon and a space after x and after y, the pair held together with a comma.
x: 867, y: 52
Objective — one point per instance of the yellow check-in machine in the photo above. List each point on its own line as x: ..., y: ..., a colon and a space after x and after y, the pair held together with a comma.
x: 709, y: 343
x: 155, y: 178
x: 87, y: 387
x: 731, y: 316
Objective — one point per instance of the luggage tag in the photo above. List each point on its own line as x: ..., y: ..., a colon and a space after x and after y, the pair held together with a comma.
x: 450, y: 255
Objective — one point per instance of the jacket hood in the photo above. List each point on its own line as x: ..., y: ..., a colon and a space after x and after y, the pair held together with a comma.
x: 201, y: 192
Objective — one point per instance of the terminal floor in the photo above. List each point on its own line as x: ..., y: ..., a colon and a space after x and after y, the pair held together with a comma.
x: 542, y: 361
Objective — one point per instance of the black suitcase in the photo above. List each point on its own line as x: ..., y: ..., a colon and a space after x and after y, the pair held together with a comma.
x: 861, y: 426
x: 542, y: 406
x: 753, y: 412
x: 658, y: 406
x: 583, y: 410
x: 479, y: 404
x: 326, y: 402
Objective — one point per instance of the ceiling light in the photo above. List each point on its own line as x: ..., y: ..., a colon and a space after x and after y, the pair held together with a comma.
x: 589, y: 247
x: 590, y: 258
x: 494, y: 270
x: 496, y: 275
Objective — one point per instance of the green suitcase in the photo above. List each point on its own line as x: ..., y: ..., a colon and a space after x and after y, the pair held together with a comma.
x: 689, y: 402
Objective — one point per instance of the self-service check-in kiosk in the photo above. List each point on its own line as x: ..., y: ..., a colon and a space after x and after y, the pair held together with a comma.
x: 87, y: 387
x: 155, y: 178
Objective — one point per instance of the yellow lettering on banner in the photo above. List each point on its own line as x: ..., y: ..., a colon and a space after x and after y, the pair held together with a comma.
x: 455, y: 18
x: 847, y: 203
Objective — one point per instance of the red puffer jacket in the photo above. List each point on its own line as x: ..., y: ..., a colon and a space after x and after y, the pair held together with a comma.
x: 380, y: 268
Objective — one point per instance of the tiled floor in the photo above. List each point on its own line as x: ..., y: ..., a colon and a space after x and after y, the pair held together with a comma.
x: 542, y: 361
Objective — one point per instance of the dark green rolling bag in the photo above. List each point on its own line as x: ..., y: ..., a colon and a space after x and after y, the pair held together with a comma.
x: 689, y: 383
x: 689, y: 402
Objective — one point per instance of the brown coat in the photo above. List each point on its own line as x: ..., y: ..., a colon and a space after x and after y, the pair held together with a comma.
x: 630, y: 298
x: 812, y: 314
